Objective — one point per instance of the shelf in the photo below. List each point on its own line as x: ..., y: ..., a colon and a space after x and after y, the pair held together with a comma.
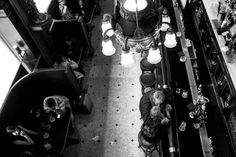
x: 222, y: 73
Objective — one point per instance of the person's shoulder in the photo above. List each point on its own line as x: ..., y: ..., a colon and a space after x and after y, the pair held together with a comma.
x: 146, y: 95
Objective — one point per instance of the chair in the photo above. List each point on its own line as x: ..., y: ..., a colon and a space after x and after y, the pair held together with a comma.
x: 148, y: 80
x: 146, y: 66
x: 146, y: 146
x: 27, y: 94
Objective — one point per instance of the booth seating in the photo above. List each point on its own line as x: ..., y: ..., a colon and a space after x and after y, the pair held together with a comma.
x: 25, y: 98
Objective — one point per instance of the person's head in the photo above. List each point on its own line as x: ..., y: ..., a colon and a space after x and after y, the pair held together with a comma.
x: 13, y: 130
x: 155, y: 110
x: 158, y: 97
x: 68, y: 40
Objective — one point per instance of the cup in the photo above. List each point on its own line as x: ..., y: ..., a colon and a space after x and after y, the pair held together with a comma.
x: 196, y: 125
x: 46, y: 135
x: 182, y: 126
x: 52, y: 119
x: 182, y: 58
x: 178, y: 34
x: 47, y: 146
x: 178, y: 91
x: 184, y: 94
x: 47, y: 127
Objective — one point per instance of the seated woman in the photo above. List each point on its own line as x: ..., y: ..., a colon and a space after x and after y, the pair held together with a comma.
x: 21, y: 135
x: 152, y: 107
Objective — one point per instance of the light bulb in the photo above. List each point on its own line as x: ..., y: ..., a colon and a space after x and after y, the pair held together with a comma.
x: 154, y: 56
x: 165, y: 23
x: 107, y: 47
x: 105, y: 26
x: 130, y: 5
x: 165, y: 20
x: 127, y: 58
x: 170, y: 40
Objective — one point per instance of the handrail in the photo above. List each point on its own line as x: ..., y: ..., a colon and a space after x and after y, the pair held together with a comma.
x: 192, y: 83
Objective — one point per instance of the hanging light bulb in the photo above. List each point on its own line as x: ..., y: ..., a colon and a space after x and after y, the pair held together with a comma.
x: 165, y: 20
x: 106, y: 25
x: 154, y: 55
x: 130, y: 5
x: 107, y: 47
x: 126, y: 58
x: 170, y: 39
x: 126, y: 55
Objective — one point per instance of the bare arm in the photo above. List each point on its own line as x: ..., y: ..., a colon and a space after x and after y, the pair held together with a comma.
x: 27, y: 141
x: 27, y: 130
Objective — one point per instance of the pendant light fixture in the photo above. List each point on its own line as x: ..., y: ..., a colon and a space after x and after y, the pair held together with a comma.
x: 127, y: 59
x: 107, y: 46
x: 154, y: 55
x: 170, y: 39
x: 165, y: 20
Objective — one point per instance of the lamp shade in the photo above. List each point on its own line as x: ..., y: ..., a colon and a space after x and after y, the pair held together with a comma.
x: 130, y: 5
x: 107, y: 47
x: 165, y: 23
x: 170, y: 40
x: 154, y: 56
x: 105, y: 26
x: 165, y: 20
x: 127, y: 58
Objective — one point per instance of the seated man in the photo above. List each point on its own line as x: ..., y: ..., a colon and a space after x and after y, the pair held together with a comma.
x: 152, y: 106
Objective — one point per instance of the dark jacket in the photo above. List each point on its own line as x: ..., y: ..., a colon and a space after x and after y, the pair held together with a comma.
x: 145, y: 104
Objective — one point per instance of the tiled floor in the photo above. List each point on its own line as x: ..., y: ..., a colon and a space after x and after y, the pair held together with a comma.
x: 111, y: 129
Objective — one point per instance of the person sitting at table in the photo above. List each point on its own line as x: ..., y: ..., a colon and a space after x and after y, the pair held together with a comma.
x: 154, y: 109
x: 62, y: 61
x: 21, y: 135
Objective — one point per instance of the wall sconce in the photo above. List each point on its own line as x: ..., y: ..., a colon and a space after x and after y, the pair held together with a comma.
x: 170, y: 39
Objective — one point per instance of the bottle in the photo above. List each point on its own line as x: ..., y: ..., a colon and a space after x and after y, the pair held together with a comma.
x: 47, y: 146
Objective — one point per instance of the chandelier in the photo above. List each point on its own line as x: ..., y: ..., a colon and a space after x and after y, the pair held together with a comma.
x: 136, y: 25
